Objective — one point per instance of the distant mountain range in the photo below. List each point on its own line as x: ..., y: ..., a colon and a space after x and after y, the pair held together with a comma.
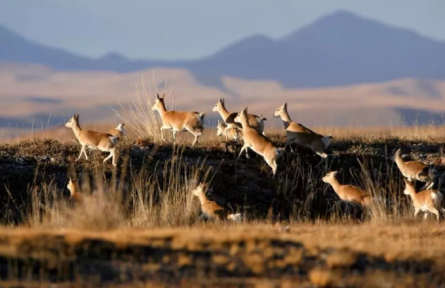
x: 338, y: 49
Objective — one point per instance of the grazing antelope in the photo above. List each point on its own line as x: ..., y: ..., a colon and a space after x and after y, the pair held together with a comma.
x: 211, y: 210
x: 425, y: 201
x: 414, y: 170
x: 256, y: 122
x: 231, y: 131
x: 179, y: 120
x: 258, y: 142
x: 94, y: 140
x: 348, y: 193
x: 303, y: 136
x: 118, y: 132
x: 73, y: 187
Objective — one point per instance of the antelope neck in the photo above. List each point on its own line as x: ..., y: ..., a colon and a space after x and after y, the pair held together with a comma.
x: 286, y: 119
x: 224, y: 113
x: 76, y: 129
x: 335, y: 185
x: 161, y: 108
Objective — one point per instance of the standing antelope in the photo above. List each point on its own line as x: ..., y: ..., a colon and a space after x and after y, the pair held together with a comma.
x: 425, y: 201
x: 179, y: 120
x: 231, y: 131
x: 94, y: 140
x: 258, y: 142
x: 210, y: 209
x: 73, y: 187
x: 256, y: 122
x: 303, y: 136
x: 348, y: 193
x: 119, y: 131
x: 414, y: 170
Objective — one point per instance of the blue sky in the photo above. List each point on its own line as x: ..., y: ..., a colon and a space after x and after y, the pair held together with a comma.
x: 184, y: 29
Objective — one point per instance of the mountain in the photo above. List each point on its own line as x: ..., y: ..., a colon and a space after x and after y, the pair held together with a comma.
x: 16, y: 49
x: 338, y: 49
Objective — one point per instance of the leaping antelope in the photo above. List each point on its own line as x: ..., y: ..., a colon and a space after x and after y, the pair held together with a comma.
x: 210, y: 209
x: 258, y: 142
x: 94, y: 140
x: 414, y: 170
x: 256, y: 122
x: 179, y: 120
x: 425, y: 201
x: 348, y: 193
x: 303, y: 136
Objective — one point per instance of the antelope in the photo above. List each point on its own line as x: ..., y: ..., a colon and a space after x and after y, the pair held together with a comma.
x: 179, y: 120
x: 94, y: 140
x: 348, y: 193
x: 258, y: 142
x: 414, y: 170
x: 425, y: 201
x: 118, y: 132
x: 303, y: 136
x: 210, y: 209
x: 256, y: 122
x: 73, y: 187
x: 231, y: 131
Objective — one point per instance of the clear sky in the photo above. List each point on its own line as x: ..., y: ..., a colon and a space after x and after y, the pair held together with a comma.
x: 182, y: 29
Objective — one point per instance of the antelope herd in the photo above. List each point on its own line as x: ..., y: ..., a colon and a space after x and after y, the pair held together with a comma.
x: 250, y: 129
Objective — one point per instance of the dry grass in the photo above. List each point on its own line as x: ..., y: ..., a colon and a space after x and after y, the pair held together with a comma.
x: 139, y: 222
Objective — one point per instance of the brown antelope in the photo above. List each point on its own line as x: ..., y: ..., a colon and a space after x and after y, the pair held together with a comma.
x: 211, y: 210
x: 348, y: 193
x: 414, y: 170
x: 179, y: 120
x: 231, y: 131
x: 258, y: 142
x: 303, y: 136
x: 425, y: 201
x: 94, y: 140
x: 254, y: 121
x: 73, y: 187
x: 119, y: 131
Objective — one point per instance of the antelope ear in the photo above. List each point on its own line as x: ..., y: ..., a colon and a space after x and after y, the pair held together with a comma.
x: 158, y: 96
x: 285, y: 105
x: 222, y: 100
x: 76, y: 116
x: 334, y: 173
x: 163, y: 95
x: 219, y: 122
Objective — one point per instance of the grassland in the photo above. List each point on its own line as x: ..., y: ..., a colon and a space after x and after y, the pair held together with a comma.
x: 142, y: 227
x: 31, y: 93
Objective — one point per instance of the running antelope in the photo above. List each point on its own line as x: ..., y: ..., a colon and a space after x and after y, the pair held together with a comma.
x: 179, y: 120
x: 303, y: 136
x: 425, y: 201
x: 94, y: 140
x: 256, y: 122
x: 231, y: 131
x: 348, y: 193
x: 119, y: 131
x: 414, y: 170
x: 211, y: 210
x: 258, y: 142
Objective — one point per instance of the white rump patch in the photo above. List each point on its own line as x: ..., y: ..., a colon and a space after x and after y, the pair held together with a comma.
x: 238, y: 217
x: 434, y: 196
